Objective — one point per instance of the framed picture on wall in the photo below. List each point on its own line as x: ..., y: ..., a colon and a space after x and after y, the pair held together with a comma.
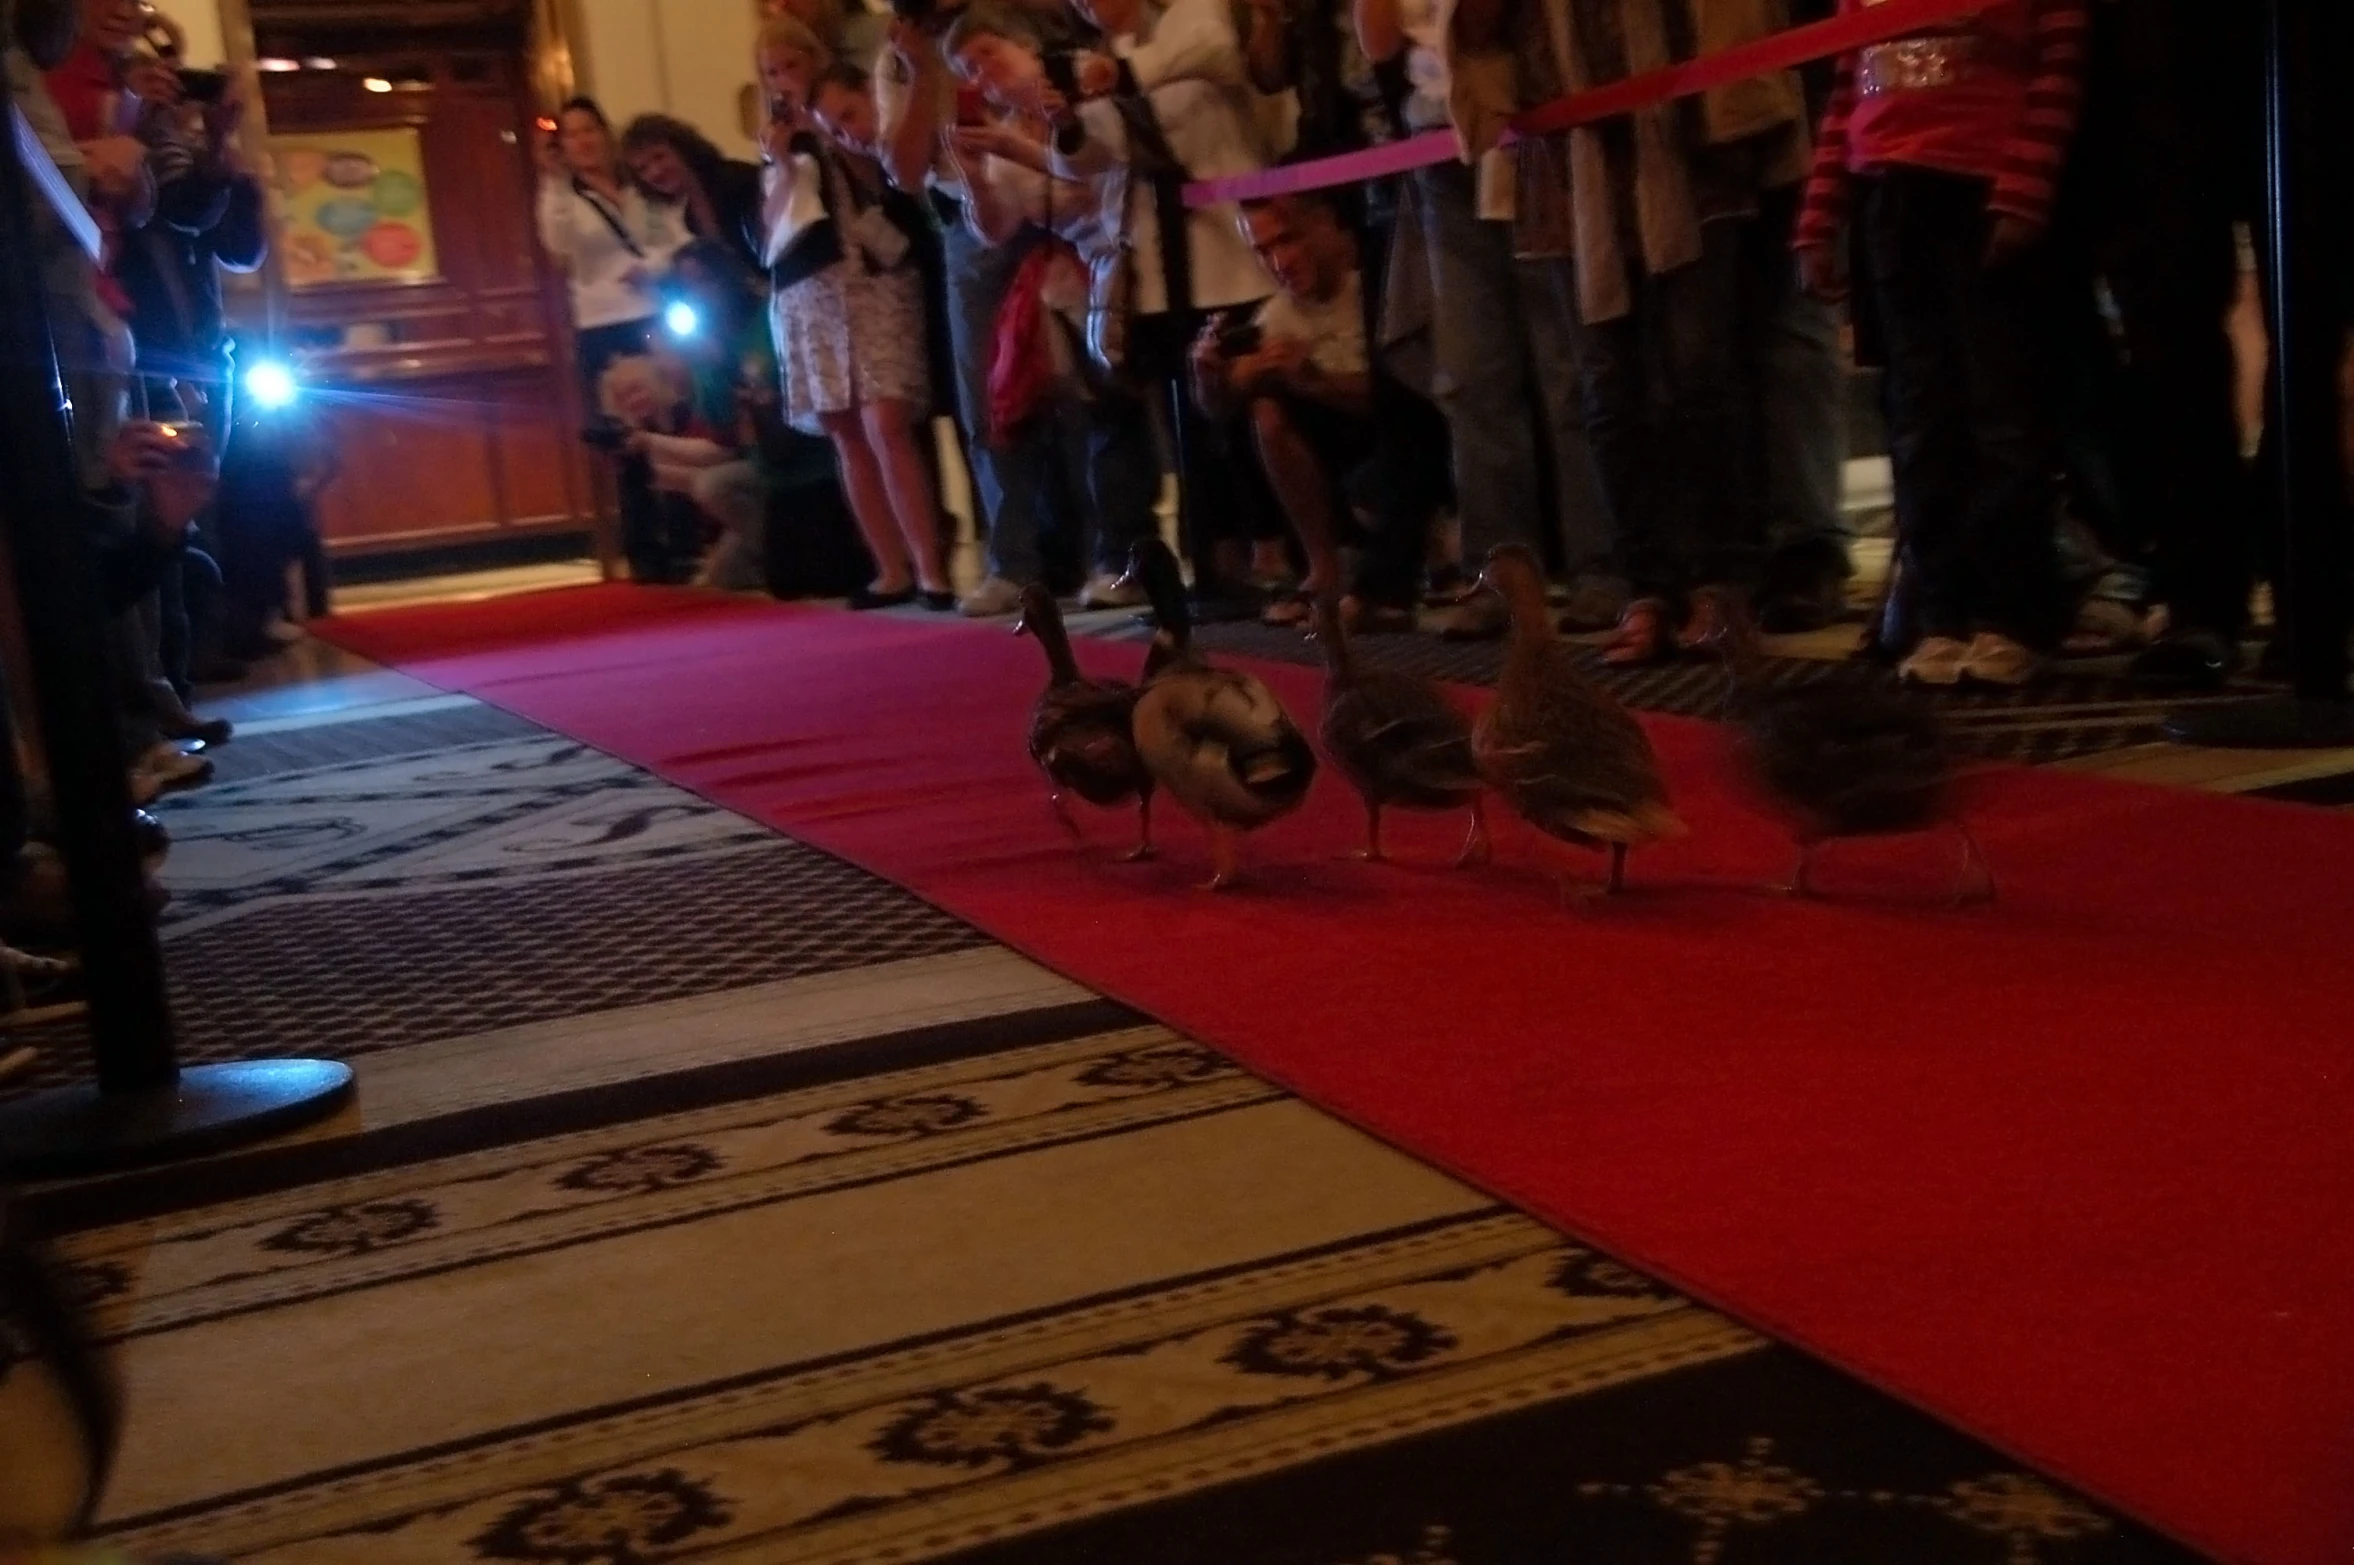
x: 353, y: 207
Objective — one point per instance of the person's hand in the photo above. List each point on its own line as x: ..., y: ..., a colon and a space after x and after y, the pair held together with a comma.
x: 224, y: 119
x: 2012, y: 238
x: 635, y: 443
x: 1098, y: 75
x: 153, y: 83
x: 176, y: 497
x: 1818, y: 273
x: 1275, y: 366
x: 1209, y: 349
x: 116, y: 165
x: 995, y: 139
x: 914, y: 47
x: 139, y: 451
x: 776, y: 140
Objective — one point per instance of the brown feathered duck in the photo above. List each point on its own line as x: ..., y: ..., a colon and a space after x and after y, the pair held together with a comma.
x: 1216, y: 741
x: 1839, y: 758
x: 1397, y: 739
x: 1556, y: 747
x: 1082, y: 731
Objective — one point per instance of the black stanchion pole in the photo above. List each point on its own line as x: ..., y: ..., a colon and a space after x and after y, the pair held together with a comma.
x: 143, y: 1108
x: 2308, y: 191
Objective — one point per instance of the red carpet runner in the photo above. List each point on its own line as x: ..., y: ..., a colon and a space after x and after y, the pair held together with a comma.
x: 2073, y: 1172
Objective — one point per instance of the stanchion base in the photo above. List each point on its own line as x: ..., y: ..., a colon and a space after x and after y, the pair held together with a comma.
x: 80, y: 1130
x: 2270, y: 723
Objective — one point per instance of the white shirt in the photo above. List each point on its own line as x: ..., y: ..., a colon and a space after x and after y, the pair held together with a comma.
x: 573, y: 226
x: 1083, y: 213
x: 1333, y: 329
x: 1189, y: 64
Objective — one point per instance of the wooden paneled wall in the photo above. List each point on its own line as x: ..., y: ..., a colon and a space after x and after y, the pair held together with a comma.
x: 450, y: 404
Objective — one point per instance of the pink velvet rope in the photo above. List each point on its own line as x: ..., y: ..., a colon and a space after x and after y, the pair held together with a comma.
x: 1796, y: 46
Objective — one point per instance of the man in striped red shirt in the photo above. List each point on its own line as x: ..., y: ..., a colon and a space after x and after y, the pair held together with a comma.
x: 1945, y: 149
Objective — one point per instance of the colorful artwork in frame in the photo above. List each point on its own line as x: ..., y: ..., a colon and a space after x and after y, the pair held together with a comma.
x: 353, y: 208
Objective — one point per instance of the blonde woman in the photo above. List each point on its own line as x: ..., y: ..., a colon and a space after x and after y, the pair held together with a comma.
x: 847, y: 306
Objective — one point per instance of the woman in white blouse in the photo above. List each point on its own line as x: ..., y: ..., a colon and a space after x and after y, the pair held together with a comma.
x: 614, y: 243
x: 1177, y: 70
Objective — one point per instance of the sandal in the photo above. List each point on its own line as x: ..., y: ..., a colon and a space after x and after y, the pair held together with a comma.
x: 1290, y: 611
x: 1641, y: 638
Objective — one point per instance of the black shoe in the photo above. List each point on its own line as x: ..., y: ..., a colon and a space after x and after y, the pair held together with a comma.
x: 1805, y: 588
x: 216, y: 731
x: 864, y: 598
x: 153, y: 838
x: 940, y: 602
x: 2187, y: 660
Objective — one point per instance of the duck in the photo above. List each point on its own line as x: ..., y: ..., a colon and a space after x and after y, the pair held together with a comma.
x: 1397, y: 739
x: 1557, y: 748
x: 1082, y: 730
x: 1840, y: 758
x: 1216, y: 740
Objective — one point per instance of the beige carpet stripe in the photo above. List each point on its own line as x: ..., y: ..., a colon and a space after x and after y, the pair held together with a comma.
x: 342, y: 1235
x: 368, y: 1376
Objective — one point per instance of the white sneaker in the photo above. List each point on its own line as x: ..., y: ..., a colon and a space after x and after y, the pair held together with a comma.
x: 993, y: 599
x: 1998, y: 660
x: 1936, y: 661
x: 168, y: 767
x: 1103, y: 591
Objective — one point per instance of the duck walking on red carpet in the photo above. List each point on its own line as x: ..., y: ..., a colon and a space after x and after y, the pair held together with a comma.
x: 1082, y: 731
x: 1397, y: 739
x: 1840, y: 759
x: 1217, y: 741
x: 1555, y: 746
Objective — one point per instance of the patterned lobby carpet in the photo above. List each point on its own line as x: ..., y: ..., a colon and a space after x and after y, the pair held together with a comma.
x: 710, y: 1200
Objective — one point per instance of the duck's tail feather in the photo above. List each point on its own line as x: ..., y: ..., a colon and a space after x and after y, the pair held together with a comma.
x: 1645, y: 823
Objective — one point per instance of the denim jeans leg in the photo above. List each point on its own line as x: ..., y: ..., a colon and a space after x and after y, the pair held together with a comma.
x: 1800, y: 390
x: 1920, y: 246
x: 1481, y: 346
x: 1005, y: 493
x: 1548, y: 307
x: 1706, y: 406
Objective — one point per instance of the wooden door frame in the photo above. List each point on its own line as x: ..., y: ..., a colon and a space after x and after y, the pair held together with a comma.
x: 550, y: 75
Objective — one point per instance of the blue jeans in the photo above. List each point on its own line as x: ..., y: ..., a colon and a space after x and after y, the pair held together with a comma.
x: 1005, y: 486
x: 1504, y: 334
x: 1667, y: 409
x: 1800, y: 389
x: 1968, y: 371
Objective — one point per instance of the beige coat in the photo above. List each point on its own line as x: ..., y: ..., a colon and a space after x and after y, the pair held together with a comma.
x: 1485, y: 95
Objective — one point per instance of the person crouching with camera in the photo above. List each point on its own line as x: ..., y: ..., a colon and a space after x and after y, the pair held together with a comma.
x: 1297, y: 373
x: 847, y: 306
x: 614, y: 243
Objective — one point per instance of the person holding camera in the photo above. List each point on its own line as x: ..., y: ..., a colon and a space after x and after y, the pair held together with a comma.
x: 1046, y: 404
x: 614, y: 242
x: 1166, y: 100
x: 1299, y: 374
x: 847, y: 305
x: 924, y: 106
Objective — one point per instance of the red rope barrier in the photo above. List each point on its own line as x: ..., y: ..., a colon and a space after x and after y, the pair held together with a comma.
x: 1796, y: 46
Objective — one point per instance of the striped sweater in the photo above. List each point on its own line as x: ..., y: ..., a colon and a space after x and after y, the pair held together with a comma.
x: 1993, y: 97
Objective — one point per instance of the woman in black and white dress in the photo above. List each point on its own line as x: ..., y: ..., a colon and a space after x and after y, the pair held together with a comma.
x: 848, y: 306
x: 614, y: 242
